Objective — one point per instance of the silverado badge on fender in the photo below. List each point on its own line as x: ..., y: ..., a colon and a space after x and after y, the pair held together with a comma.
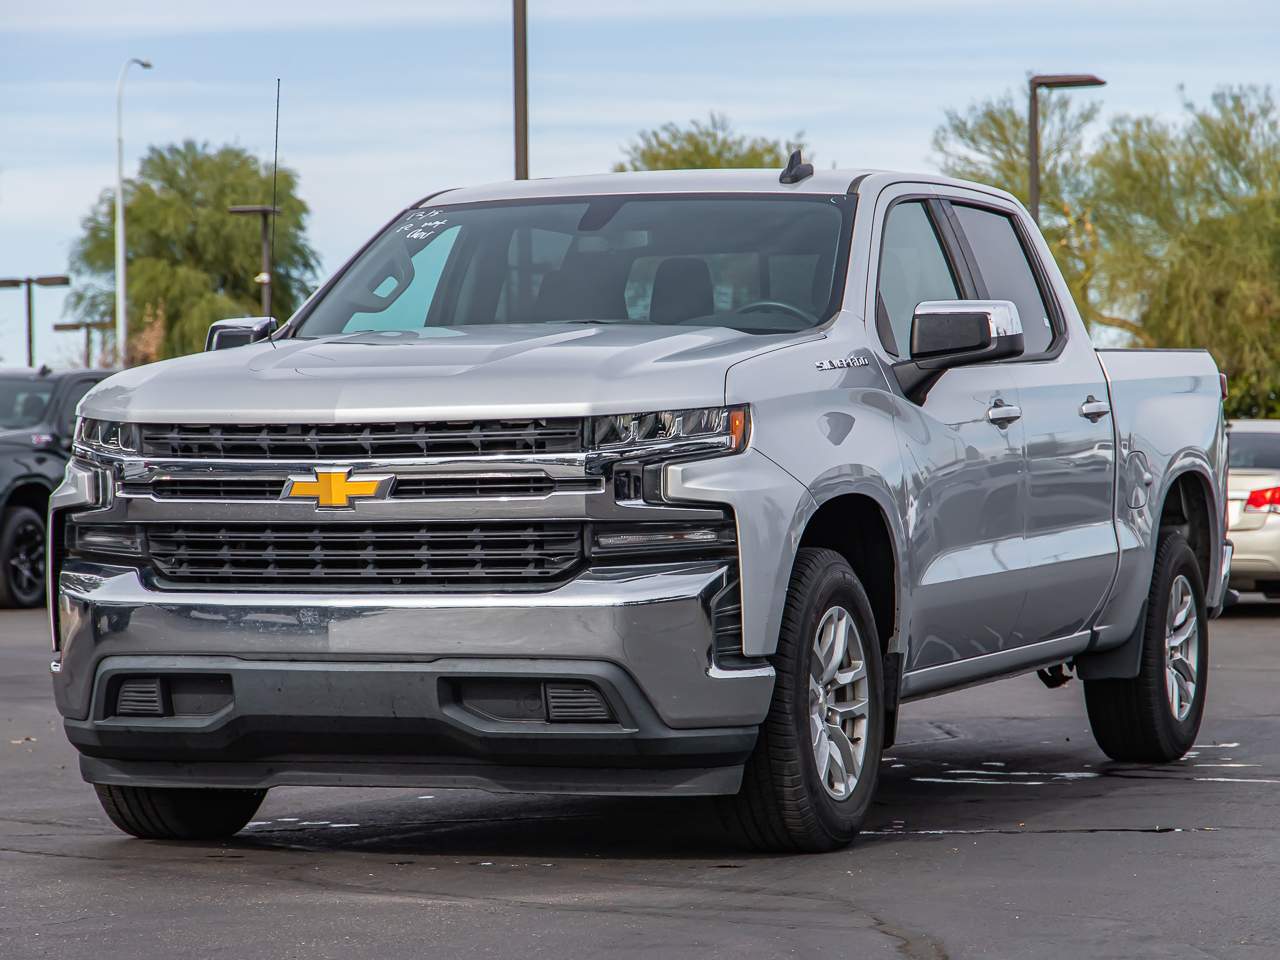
x: 843, y: 363
x: 335, y: 488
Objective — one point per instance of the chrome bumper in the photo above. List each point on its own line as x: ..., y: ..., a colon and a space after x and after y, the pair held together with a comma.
x: 651, y: 622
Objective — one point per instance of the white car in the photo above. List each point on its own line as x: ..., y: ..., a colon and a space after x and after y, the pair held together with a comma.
x: 1253, y: 505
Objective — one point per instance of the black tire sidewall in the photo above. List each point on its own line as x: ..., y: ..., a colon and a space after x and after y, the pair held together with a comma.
x: 837, y: 586
x: 11, y: 521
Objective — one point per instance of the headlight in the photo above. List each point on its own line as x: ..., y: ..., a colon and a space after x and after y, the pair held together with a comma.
x: 108, y: 436
x: 724, y: 429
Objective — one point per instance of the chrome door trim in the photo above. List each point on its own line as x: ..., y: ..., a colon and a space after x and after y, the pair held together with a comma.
x: 1003, y: 413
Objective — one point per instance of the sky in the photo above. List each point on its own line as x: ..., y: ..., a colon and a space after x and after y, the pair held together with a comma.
x: 384, y: 101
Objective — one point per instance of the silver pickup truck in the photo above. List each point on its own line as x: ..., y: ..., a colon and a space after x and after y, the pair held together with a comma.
x: 659, y: 484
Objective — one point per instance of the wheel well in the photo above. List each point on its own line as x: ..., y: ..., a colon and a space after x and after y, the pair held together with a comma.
x: 855, y: 527
x: 29, y: 494
x: 1186, y: 510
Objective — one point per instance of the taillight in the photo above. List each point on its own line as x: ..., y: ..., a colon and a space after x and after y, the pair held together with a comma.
x: 1222, y: 385
x: 1267, y: 500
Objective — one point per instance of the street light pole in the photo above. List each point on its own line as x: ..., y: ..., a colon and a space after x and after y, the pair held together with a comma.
x: 52, y: 280
x: 122, y: 307
x: 1037, y: 81
x: 264, y: 278
x: 520, y: 65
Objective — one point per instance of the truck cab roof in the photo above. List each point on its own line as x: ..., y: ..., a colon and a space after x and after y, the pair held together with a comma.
x: 832, y: 181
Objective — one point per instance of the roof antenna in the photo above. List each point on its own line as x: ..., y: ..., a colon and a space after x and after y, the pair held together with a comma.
x: 275, y: 212
x: 796, y: 169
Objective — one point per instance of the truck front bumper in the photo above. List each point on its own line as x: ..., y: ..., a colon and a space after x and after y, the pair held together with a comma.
x: 396, y: 689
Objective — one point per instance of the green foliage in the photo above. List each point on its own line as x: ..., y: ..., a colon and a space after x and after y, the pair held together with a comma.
x: 703, y: 146
x: 1168, y: 231
x: 190, y: 262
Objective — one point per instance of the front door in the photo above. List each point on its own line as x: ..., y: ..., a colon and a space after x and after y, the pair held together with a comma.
x: 964, y: 460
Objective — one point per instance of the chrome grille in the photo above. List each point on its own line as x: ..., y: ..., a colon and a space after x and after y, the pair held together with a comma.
x: 444, y: 438
x: 442, y: 487
x: 382, y: 554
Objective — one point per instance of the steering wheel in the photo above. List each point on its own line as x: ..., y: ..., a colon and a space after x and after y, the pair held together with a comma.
x: 764, y: 306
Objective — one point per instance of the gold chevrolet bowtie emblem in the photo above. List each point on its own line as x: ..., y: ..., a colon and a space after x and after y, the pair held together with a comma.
x: 334, y: 487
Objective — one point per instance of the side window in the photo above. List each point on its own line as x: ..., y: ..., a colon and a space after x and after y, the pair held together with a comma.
x: 913, y: 269
x: 1003, y: 263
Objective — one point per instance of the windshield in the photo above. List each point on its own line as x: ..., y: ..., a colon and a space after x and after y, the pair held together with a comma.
x: 758, y: 263
x: 1253, y: 451
x: 23, y: 402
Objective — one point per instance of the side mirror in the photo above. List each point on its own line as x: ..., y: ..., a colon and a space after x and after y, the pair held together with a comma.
x: 238, y: 331
x: 956, y: 333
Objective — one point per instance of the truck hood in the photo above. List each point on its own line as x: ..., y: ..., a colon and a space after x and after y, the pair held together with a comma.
x: 455, y: 373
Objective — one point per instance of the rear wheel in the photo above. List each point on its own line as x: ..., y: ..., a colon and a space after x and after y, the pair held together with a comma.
x: 163, y: 813
x: 809, y: 782
x: 21, y: 558
x: 1155, y: 716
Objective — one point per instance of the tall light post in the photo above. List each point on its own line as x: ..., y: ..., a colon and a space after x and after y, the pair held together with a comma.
x: 122, y: 307
x: 1033, y: 125
x: 266, y: 211
x: 520, y: 70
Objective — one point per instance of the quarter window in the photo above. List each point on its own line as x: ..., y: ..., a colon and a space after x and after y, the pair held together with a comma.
x: 913, y: 269
x: 1007, y: 272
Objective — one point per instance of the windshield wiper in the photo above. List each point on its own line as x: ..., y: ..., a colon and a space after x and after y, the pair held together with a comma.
x: 602, y: 321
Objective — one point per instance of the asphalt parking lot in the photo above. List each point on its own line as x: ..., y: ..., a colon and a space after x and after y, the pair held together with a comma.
x: 1000, y: 831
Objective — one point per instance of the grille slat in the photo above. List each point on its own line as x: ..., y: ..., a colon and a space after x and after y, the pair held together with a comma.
x: 377, y: 553
x: 371, y: 441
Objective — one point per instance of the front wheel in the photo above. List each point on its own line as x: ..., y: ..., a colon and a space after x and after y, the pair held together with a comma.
x: 809, y: 782
x: 164, y: 813
x: 21, y: 558
x: 1154, y: 717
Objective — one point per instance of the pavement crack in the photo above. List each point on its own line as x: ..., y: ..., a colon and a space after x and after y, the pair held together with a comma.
x: 914, y: 946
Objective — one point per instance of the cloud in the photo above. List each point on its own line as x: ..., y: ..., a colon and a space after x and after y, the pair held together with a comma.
x: 138, y: 17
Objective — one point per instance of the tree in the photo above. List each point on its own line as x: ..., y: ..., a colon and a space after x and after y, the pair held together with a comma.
x: 988, y: 144
x: 189, y: 261
x: 703, y: 146
x: 1168, y: 231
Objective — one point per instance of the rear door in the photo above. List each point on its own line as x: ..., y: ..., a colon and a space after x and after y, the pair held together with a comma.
x: 963, y: 511
x: 1071, y: 546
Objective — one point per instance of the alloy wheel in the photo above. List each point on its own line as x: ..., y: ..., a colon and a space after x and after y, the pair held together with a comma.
x: 1182, y: 644
x: 838, y: 702
x: 26, y: 561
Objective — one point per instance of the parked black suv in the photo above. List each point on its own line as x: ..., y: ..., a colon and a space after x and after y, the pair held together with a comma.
x: 37, y: 417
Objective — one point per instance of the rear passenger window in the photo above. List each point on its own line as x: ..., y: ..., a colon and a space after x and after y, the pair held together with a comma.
x: 1007, y: 272
x: 913, y: 269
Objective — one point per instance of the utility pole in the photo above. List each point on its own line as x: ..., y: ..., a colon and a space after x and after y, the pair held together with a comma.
x: 521, y: 83
x: 51, y: 280
x: 266, y: 211
x: 88, y: 327
x: 122, y: 293
x: 1037, y: 81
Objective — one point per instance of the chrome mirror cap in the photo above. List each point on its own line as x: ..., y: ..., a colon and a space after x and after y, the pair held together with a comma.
x: 238, y: 331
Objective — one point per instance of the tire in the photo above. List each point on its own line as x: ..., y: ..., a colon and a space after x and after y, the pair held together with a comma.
x: 162, y: 813
x: 786, y: 804
x: 22, y: 558
x: 1136, y: 720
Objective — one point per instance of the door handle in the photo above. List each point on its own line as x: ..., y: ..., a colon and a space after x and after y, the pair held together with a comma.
x: 1093, y: 409
x: 1002, y: 414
